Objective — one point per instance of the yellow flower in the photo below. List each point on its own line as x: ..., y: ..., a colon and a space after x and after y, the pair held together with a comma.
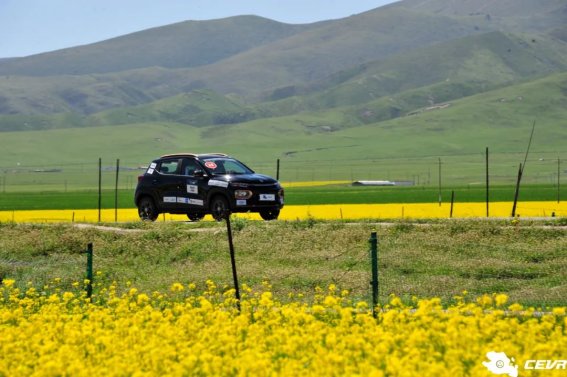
x: 501, y: 299
x: 48, y: 334
x: 176, y: 287
x: 559, y: 311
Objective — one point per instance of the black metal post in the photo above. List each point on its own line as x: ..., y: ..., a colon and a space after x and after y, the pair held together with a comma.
x: 517, y: 191
x: 232, y: 258
x: 452, y: 200
x: 116, y: 192
x: 278, y: 170
x: 99, y: 187
x: 89, y: 275
x: 374, y: 282
x: 558, y: 180
x: 439, y: 181
x: 487, y: 184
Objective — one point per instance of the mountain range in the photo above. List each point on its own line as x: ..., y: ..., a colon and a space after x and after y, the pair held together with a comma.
x: 389, y: 64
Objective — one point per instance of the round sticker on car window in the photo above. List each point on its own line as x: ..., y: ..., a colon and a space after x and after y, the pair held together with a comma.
x: 211, y: 165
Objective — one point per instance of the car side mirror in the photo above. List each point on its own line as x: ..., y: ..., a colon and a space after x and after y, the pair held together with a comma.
x: 198, y: 173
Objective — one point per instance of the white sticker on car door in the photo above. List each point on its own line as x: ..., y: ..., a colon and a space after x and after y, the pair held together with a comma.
x: 192, y: 189
x: 267, y: 197
x: 214, y: 182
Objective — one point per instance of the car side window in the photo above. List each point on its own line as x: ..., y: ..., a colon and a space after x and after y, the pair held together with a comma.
x: 168, y: 167
x: 189, y: 167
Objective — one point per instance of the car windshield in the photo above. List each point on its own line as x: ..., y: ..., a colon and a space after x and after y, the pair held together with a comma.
x: 223, y: 165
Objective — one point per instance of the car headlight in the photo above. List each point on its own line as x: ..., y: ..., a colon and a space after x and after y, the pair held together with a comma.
x: 242, y: 194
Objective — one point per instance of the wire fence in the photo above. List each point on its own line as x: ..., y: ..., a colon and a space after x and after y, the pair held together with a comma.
x: 426, y: 171
x: 449, y: 264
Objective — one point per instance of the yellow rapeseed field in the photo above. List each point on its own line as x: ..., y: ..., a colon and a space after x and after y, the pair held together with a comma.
x: 47, y: 332
x: 334, y: 211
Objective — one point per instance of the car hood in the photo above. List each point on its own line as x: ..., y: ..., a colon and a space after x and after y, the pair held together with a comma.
x: 247, y: 179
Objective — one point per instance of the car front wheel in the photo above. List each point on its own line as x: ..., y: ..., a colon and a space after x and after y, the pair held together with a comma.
x: 218, y: 208
x: 147, y: 210
x: 270, y: 215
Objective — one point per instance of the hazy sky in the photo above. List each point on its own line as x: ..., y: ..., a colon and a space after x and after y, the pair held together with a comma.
x: 33, y: 26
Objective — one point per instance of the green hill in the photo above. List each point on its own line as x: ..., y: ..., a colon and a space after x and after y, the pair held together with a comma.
x: 500, y: 119
x: 304, y: 57
x: 559, y: 33
x: 496, y: 8
x: 493, y: 57
x: 373, y: 92
x: 199, y: 107
x: 180, y: 45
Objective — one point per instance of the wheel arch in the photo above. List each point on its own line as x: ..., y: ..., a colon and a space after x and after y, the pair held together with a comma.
x: 146, y: 194
x: 215, y: 195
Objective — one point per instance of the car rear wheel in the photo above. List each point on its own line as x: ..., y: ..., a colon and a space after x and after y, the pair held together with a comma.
x: 270, y: 215
x: 218, y: 208
x: 195, y: 216
x: 147, y: 210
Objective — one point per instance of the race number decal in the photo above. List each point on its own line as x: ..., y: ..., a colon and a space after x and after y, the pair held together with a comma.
x: 211, y: 165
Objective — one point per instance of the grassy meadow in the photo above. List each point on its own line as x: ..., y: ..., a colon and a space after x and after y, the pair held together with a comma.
x: 440, y: 259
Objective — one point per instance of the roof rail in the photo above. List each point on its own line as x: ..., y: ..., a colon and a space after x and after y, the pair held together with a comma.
x: 179, y: 154
x: 216, y: 154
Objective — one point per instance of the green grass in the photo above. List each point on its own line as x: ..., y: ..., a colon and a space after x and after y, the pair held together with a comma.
x: 88, y: 199
x: 443, y: 260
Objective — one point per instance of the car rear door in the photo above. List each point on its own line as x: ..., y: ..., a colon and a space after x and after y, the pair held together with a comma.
x: 167, y: 182
x: 194, y: 189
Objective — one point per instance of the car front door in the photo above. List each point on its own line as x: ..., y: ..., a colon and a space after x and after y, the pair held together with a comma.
x: 194, y: 188
x: 168, y: 183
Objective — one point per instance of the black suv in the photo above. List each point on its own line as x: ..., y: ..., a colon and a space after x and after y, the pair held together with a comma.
x: 211, y: 183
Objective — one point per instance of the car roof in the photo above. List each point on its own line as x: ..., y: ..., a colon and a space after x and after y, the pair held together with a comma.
x: 194, y: 155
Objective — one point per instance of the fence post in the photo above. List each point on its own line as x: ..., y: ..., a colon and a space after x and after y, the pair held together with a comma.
x: 517, y: 191
x: 374, y: 282
x: 232, y: 258
x: 99, y: 186
x: 278, y: 170
x: 439, y: 181
x: 558, y: 180
x: 89, y: 275
x: 487, y: 185
x: 452, y: 200
x: 116, y: 192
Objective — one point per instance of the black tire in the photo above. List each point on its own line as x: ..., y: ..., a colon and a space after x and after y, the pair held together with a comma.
x: 219, y: 207
x: 195, y: 216
x: 270, y: 214
x: 147, y: 210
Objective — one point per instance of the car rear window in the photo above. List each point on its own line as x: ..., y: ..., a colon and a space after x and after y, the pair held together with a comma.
x: 168, y: 167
